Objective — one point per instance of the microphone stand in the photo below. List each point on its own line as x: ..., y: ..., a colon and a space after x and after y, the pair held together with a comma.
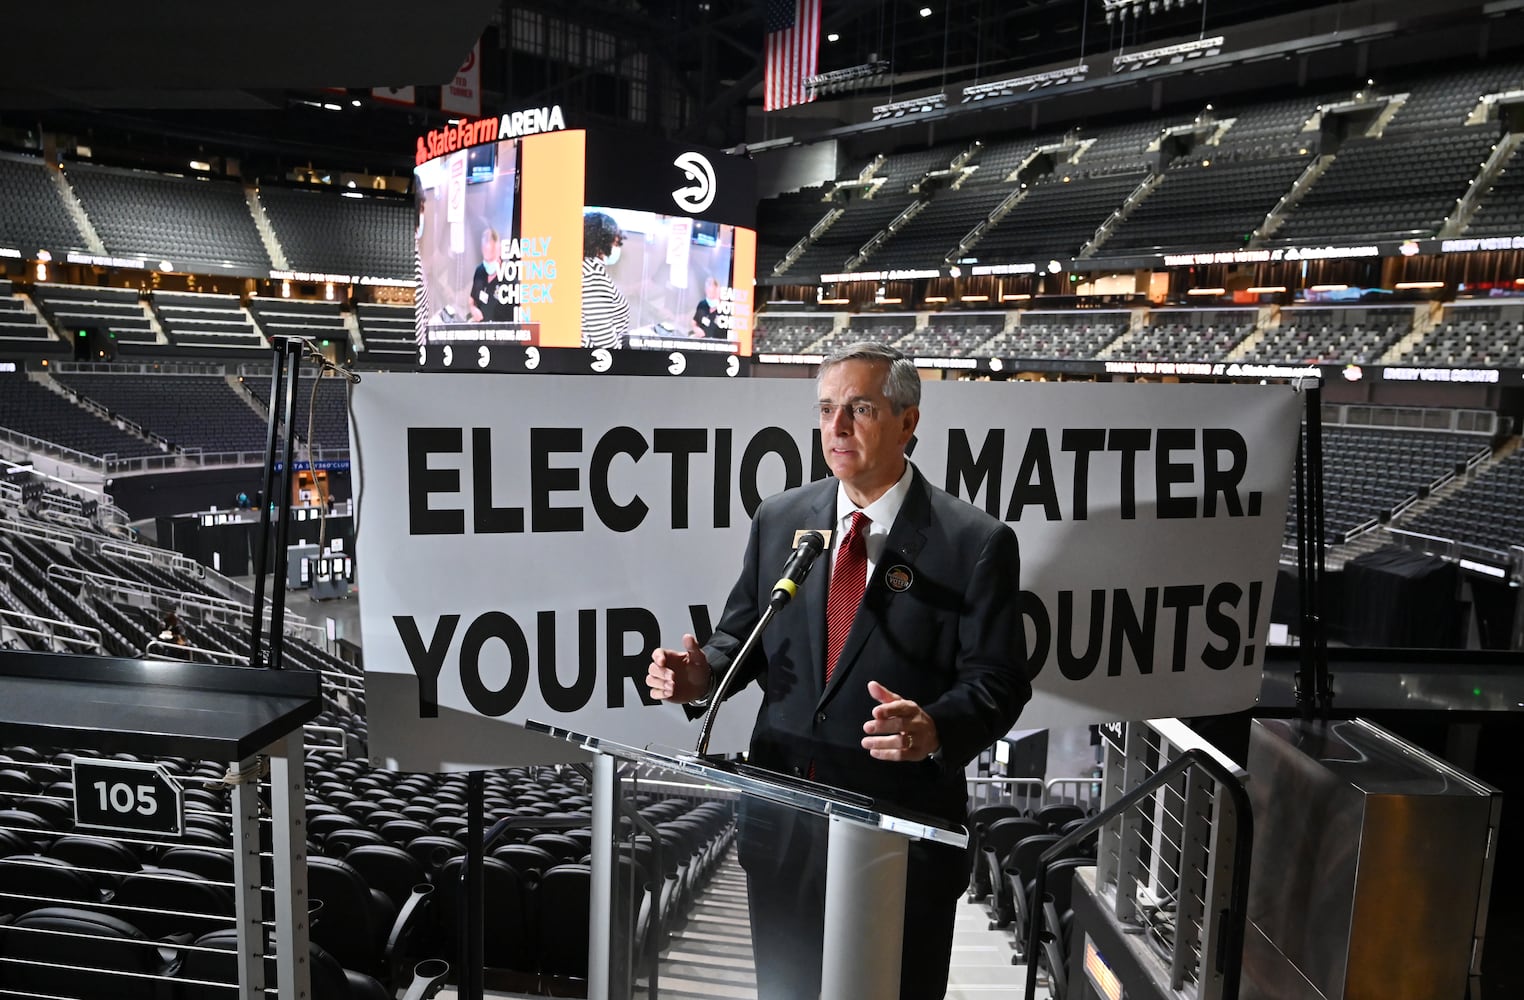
x: 719, y: 693
x: 794, y: 573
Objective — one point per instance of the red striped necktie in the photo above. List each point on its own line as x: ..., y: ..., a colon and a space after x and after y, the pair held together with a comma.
x: 849, y: 577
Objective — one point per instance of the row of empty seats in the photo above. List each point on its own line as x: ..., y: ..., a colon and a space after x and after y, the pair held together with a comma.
x: 118, y: 313
x: 1304, y: 334
x: 37, y: 410
x: 1487, y: 512
x: 165, y: 323
x: 202, y: 223
x: 18, y: 325
x: 198, y: 319
x: 191, y: 411
x: 195, y: 223
x: 1368, y: 472
x: 1217, y: 179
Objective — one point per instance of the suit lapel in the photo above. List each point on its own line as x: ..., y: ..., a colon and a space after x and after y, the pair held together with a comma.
x: 904, y: 543
x: 817, y: 584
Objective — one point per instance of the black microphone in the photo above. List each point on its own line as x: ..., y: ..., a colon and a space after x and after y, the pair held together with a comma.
x: 811, y: 544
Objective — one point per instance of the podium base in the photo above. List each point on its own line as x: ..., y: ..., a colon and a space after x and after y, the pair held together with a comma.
x: 864, y: 912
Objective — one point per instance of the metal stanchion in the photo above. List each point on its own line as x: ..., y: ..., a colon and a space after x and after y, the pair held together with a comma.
x: 287, y: 355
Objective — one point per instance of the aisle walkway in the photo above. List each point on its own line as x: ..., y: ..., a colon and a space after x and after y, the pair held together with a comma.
x: 710, y: 956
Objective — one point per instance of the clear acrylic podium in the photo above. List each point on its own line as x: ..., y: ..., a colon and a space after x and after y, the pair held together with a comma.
x: 867, y: 848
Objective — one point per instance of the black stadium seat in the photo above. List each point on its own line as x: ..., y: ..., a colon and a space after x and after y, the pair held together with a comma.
x: 996, y: 844
x: 110, y: 859
x: 511, y: 915
x: 330, y: 980
x: 40, y: 954
x: 389, y: 870
x: 214, y: 866
x: 170, y: 903
x: 355, y: 920
x: 30, y: 882
x: 561, y: 905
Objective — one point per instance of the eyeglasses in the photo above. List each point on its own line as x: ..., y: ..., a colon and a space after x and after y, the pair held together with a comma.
x: 855, y: 411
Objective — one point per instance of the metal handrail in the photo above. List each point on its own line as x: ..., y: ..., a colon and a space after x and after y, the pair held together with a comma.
x: 1229, y: 957
x: 65, y: 490
x: 213, y: 655
x: 349, y: 686
x: 22, y: 440
x: 37, y: 532
x: 149, y: 554
x: 75, y: 521
x: 133, y: 588
x: 1032, y: 788
x: 1078, y: 782
x: 343, y: 736
x: 52, y: 635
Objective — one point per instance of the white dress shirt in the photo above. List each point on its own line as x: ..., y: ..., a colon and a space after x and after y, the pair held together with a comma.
x: 881, y: 513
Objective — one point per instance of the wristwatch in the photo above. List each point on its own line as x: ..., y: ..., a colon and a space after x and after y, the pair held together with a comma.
x: 714, y: 682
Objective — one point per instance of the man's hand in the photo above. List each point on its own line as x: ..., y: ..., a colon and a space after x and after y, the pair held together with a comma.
x: 676, y: 676
x: 899, y: 729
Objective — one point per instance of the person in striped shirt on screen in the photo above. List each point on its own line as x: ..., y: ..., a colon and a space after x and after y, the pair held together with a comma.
x: 605, y: 311
x: 420, y: 287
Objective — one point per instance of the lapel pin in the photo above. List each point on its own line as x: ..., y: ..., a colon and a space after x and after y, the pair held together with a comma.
x: 899, y: 578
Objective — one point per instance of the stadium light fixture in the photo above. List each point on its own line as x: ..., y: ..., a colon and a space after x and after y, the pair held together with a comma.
x: 973, y: 298
x: 1266, y: 289
x: 1025, y: 84
x: 917, y: 105
x: 1329, y: 288
x: 832, y: 302
x: 934, y: 298
x: 1405, y: 285
x: 1206, y: 291
x: 868, y: 74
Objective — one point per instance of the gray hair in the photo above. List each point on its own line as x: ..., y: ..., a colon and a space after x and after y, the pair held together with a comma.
x: 903, y: 383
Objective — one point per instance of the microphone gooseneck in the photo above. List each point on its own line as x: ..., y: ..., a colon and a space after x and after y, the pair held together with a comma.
x: 811, y: 544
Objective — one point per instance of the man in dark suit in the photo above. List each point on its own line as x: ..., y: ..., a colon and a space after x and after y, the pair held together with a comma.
x: 902, y: 662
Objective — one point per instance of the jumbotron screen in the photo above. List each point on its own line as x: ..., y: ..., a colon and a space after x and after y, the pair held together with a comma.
x: 535, y: 234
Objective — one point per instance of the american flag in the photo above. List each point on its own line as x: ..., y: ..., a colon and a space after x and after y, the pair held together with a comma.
x: 793, y: 45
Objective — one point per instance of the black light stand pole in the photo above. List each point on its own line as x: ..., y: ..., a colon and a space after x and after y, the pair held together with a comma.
x: 469, y: 984
x: 1314, y: 684
x: 1305, y: 669
x: 287, y: 362
x: 1324, y: 680
x: 283, y: 525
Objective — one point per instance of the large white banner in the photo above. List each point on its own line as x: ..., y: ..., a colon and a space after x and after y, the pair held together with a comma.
x: 524, y: 542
